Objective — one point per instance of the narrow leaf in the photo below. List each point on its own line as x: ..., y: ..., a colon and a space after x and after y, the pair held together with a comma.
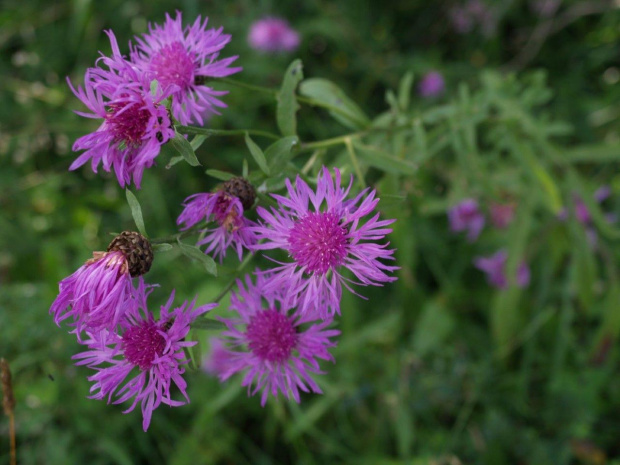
x: 195, y: 253
x: 164, y: 247
x: 384, y: 161
x: 208, y: 324
x: 287, y: 103
x: 280, y: 152
x: 257, y: 153
x: 197, y: 141
x: 136, y: 211
x: 221, y: 175
x: 184, y: 148
x: 404, y: 91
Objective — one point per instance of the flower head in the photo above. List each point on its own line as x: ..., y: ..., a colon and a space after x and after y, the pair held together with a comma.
x: 322, y: 232
x: 275, y: 347
x: 153, y: 349
x: 135, y: 122
x: 273, y: 35
x: 495, y: 268
x: 225, y: 207
x: 502, y: 214
x: 466, y: 216
x: 184, y: 58
x: 97, y: 294
x: 431, y: 85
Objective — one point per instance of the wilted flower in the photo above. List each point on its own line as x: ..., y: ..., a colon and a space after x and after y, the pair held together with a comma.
x: 135, y: 122
x: 431, y: 85
x: 322, y: 231
x: 502, y: 214
x: 274, y: 345
x: 152, y: 348
x: 466, y: 216
x: 184, y: 59
x: 97, y: 294
x: 495, y: 268
x: 226, y: 208
x: 273, y: 35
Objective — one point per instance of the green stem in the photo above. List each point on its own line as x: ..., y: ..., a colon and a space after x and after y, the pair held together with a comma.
x: 238, y: 271
x: 321, y: 144
x: 175, y: 237
x: 225, y: 132
x: 356, y: 165
x: 234, y: 82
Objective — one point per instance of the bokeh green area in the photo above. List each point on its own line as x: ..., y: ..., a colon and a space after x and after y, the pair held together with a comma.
x: 437, y: 367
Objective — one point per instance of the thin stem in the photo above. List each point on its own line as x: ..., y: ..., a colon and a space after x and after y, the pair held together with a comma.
x: 320, y: 144
x: 12, y: 434
x: 239, y: 269
x: 356, y: 165
x: 175, y: 237
x: 225, y: 132
x: 234, y: 82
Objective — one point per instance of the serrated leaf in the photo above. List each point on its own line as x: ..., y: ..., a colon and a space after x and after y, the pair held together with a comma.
x: 164, y: 247
x: 330, y: 96
x: 384, y: 161
x: 136, y: 211
x: 257, y: 154
x: 280, y: 152
x: 208, y: 324
x: 184, y: 148
x: 287, y: 103
x: 221, y: 175
x: 194, y: 252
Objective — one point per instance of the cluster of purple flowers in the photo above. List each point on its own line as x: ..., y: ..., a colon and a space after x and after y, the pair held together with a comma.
x: 138, y: 98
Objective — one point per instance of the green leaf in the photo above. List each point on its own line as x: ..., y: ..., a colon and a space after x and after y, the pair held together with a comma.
x: 221, y: 175
x: 197, y: 141
x: 184, y: 148
x: 164, y: 247
x: 136, y: 211
x: 287, y: 103
x: 173, y: 161
x: 195, y: 253
x: 257, y: 153
x: 245, y: 170
x: 280, y: 152
x: 328, y: 95
x: 208, y: 324
x: 384, y: 161
x: 404, y: 91
x: 433, y: 328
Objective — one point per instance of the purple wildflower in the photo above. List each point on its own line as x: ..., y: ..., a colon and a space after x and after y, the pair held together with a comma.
x: 495, y: 268
x: 272, y: 344
x: 466, y: 216
x: 185, y: 59
x: 322, y: 233
x: 217, y: 360
x: 273, y: 35
x: 154, y: 348
x: 97, y: 294
x: 227, y: 211
x: 135, y: 122
x: 502, y: 214
x: 431, y: 85
x: 471, y: 14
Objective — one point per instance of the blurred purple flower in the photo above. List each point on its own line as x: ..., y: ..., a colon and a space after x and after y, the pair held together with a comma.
x: 472, y: 13
x: 185, y: 59
x: 218, y: 359
x: 495, y: 268
x: 321, y: 230
x: 466, y: 216
x: 431, y: 85
x: 135, y: 122
x: 273, y: 344
x: 273, y: 35
x: 154, y: 348
x: 583, y: 215
x: 545, y: 8
x: 502, y: 214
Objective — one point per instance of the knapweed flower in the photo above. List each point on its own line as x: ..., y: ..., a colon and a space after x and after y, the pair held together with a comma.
x: 225, y: 207
x: 466, y: 216
x: 152, y: 349
x: 273, y: 35
x: 471, y: 14
x: 502, y: 214
x: 583, y: 215
x: 217, y: 360
x: 184, y: 59
x: 275, y: 346
x: 323, y: 232
x: 431, y: 85
x: 96, y: 296
x: 495, y: 268
x: 135, y: 121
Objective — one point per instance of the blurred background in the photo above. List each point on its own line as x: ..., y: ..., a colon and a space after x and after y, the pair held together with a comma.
x: 440, y: 367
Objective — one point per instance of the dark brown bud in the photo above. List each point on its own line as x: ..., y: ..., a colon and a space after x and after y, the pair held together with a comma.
x: 137, y: 250
x: 241, y: 188
x: 8, y: 400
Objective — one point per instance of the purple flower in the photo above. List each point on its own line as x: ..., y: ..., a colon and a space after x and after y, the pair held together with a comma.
x: 218, y: 358
x: 466, y: 216
x: 431, y: 85
x: 473, y: 13
x: 275, y: 347
x: 233, y: 230
x: 185, y: 59
x: 495, y: 268
x: 135, y: 123
x: 96, y: 295
x: 153, y: 348
x: 502, y: 214
x: 323, y: 233
x: 273, y: 35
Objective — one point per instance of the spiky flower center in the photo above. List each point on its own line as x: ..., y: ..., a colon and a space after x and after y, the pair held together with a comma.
x: 143, y: 343
x: 173, y: 64
x: 319, y: 242
x: 128, y: 122
x: 272, y: 336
